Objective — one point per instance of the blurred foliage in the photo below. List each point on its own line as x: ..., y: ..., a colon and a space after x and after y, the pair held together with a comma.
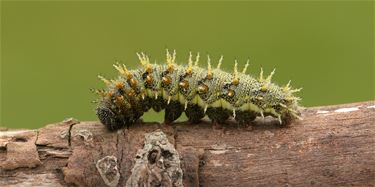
x: 51, y: 52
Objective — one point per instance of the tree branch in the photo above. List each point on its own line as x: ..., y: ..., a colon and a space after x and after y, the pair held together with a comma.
x: 331, y: 146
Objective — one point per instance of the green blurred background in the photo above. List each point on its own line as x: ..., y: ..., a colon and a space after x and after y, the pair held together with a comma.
x: 51, y: 52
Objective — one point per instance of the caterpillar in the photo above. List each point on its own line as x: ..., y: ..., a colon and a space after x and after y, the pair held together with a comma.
x: 194, y: 90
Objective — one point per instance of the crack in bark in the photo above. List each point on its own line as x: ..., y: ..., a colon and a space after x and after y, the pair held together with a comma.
x: 70, y: 134
x: 175, y: 136
x: 36, y: 139
x: 202, y: 163
x: 119, y: 132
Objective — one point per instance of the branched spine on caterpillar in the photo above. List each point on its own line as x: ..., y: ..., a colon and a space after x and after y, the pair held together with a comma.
x: 193, y: 90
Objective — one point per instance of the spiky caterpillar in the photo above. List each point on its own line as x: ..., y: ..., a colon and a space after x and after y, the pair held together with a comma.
x: 193, y: 90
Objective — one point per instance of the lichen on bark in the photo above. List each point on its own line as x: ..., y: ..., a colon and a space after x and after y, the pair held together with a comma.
x: 157, y: 164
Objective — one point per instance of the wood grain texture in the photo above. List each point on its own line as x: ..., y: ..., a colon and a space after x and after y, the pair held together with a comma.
x: 331, y: 146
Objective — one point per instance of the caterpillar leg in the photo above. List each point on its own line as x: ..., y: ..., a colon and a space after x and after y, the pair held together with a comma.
x: 173, y: 111
x: 158, y: 104
x: 245, y: 117
x: 286, y: 120
x: 194, y: 113
x: 146, y: 104
x: 218, y: 115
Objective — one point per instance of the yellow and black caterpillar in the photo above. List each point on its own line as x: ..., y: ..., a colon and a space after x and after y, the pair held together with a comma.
x: 193, y: 90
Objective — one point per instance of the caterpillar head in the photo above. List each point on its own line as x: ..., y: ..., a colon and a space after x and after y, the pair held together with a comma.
x: 111, y: 120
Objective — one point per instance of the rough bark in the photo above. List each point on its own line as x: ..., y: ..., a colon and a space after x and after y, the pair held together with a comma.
x: 331, y: 146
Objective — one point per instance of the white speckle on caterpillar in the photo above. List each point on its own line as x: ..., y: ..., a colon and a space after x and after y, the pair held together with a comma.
x: 373, y: 106
x: 194, y: 90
